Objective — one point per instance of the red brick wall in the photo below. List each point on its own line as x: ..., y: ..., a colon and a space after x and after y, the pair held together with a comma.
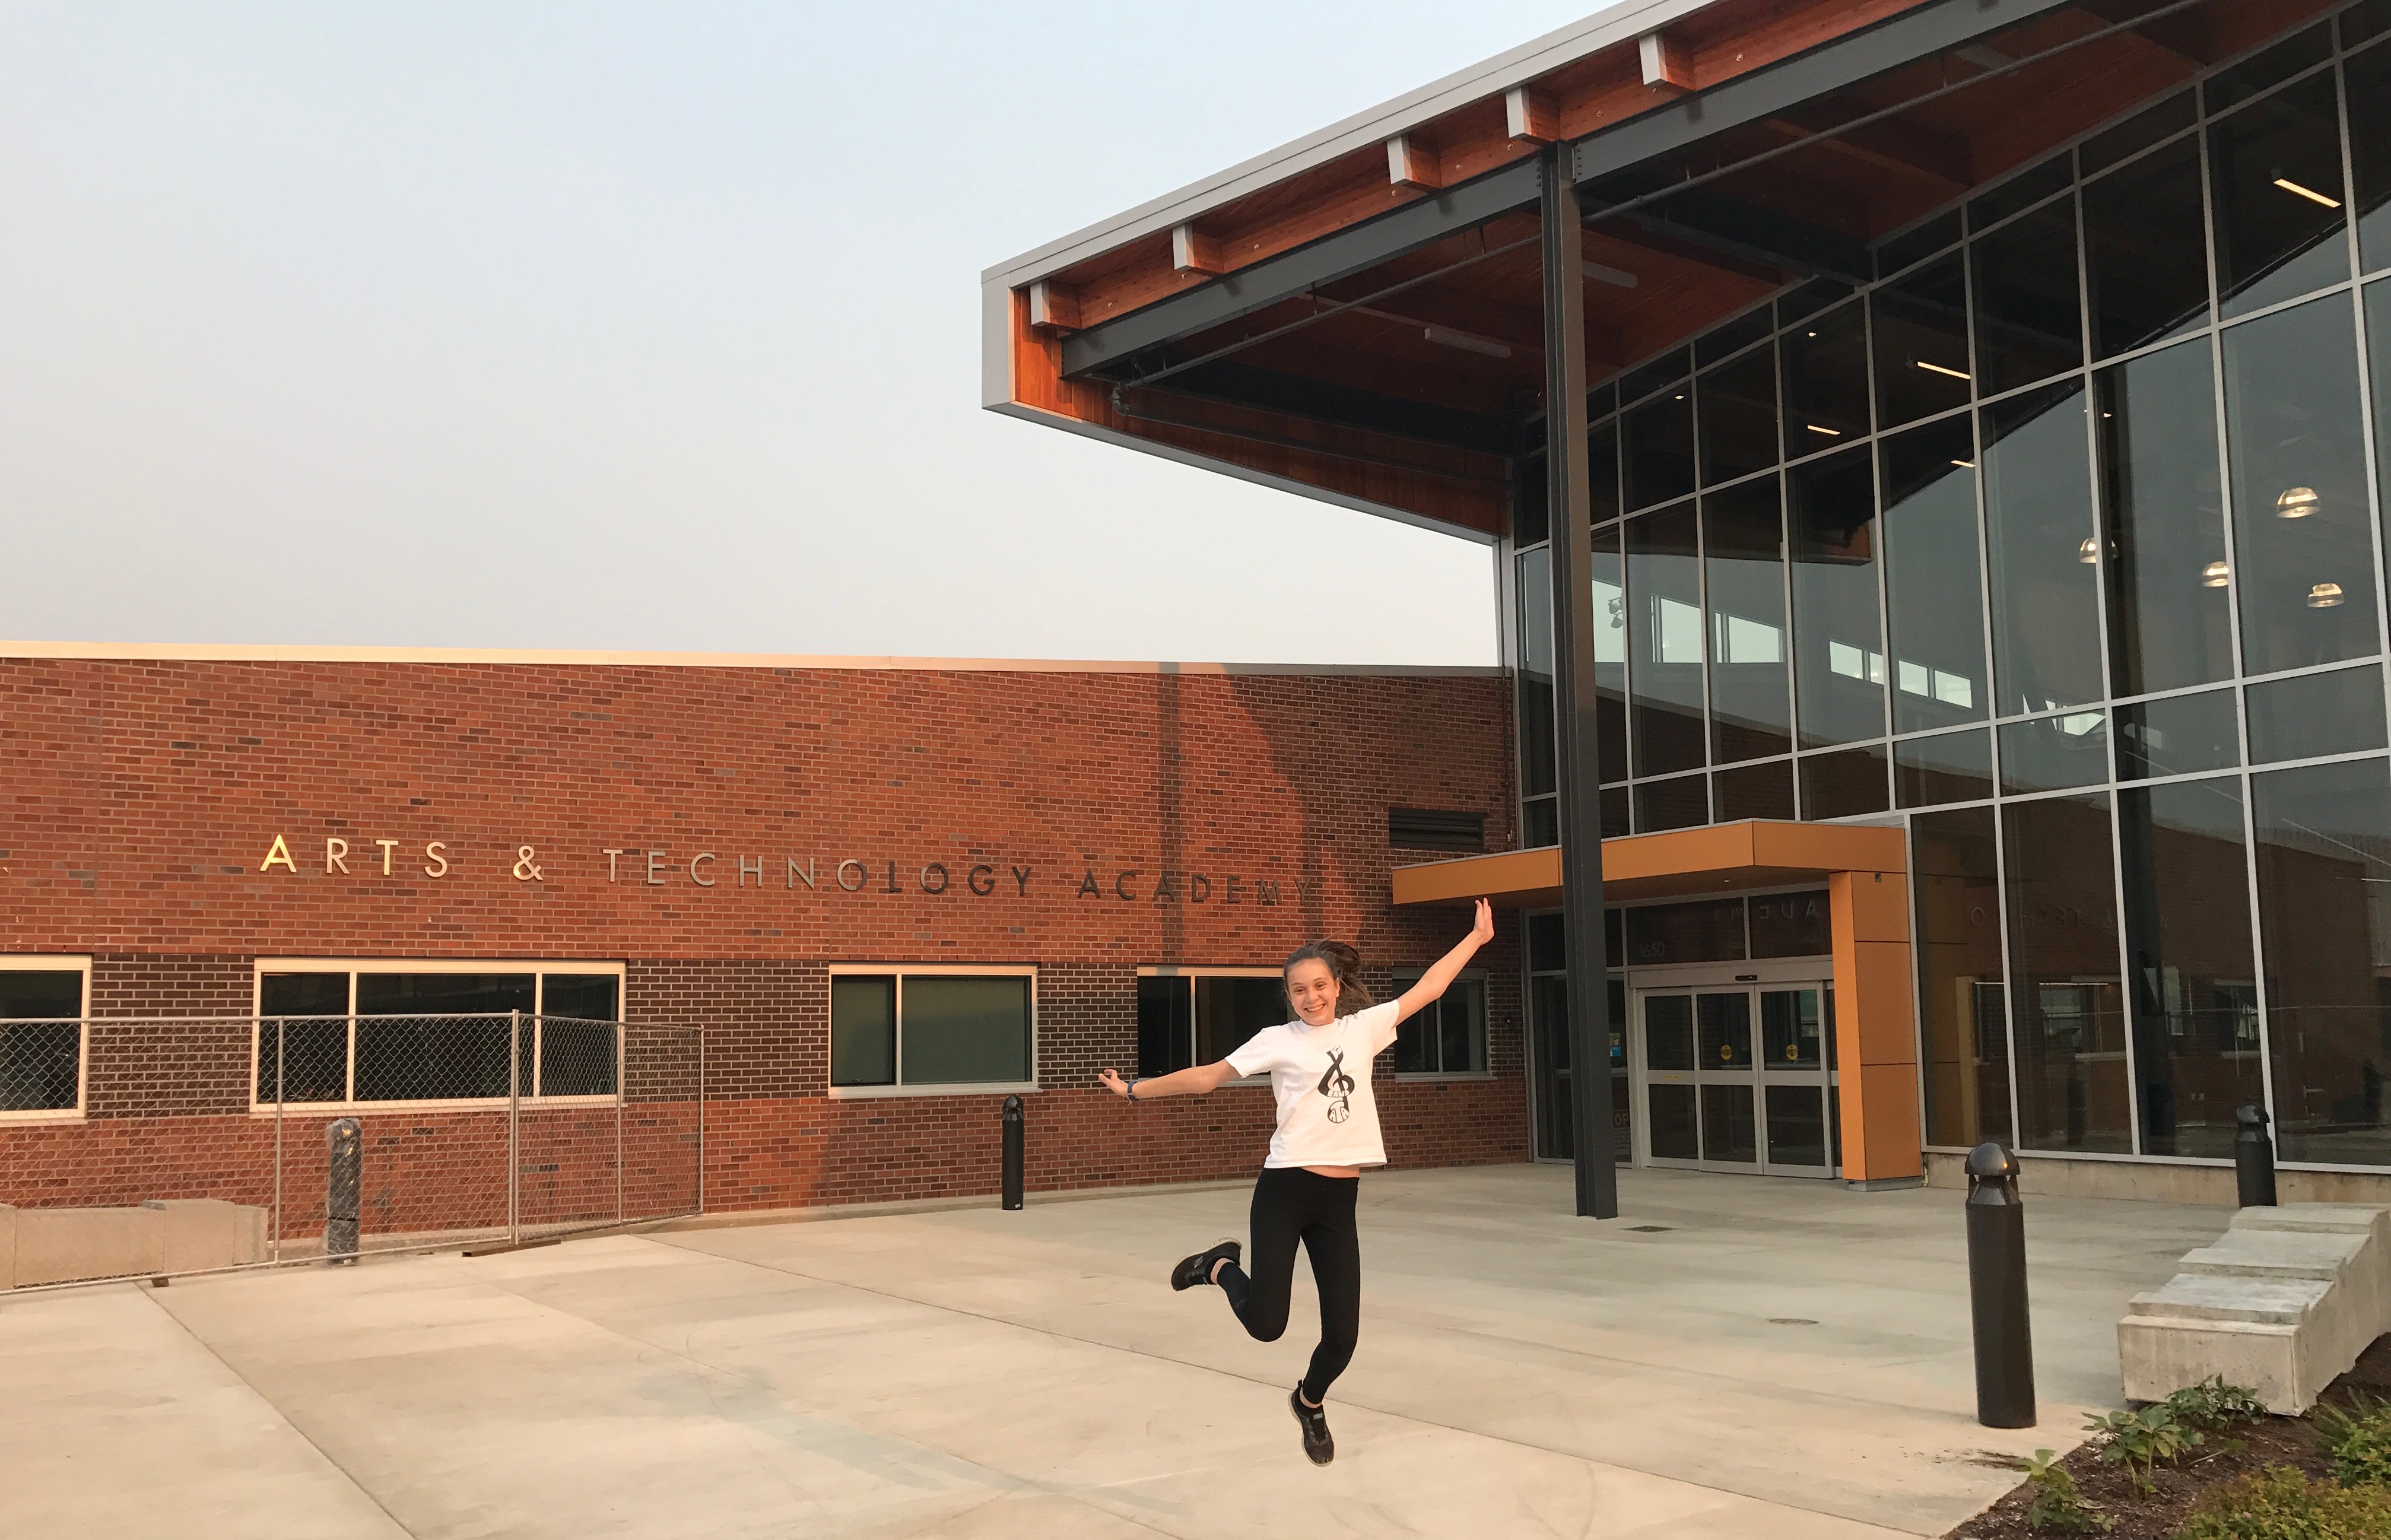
x: 144, y: 797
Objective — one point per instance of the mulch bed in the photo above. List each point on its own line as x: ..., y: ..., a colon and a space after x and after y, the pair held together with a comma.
x: 2294, y: 1441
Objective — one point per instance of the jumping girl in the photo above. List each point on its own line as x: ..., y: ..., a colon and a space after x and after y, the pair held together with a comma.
x: 1319, y: 1068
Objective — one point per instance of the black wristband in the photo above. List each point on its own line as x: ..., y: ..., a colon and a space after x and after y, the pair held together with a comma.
x: 1131, y: 1092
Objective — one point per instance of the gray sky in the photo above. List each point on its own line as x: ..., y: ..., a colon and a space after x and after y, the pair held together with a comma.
x: 645, y: 326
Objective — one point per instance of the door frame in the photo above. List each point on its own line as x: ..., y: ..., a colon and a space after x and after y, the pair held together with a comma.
x: 1774, y: 972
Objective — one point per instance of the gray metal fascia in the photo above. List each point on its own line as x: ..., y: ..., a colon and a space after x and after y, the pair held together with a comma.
x: 1259, y: 478
x: 1352, y: 250
x: 1774, y: 88
x: 1618, y: 23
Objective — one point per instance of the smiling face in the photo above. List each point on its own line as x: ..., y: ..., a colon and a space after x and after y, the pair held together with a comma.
x: 1312, y: 990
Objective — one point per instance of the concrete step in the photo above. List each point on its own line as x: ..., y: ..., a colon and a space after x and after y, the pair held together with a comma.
x: 2284, y: 1301
x: 2277, y: 1254
x: 2191, y: 1296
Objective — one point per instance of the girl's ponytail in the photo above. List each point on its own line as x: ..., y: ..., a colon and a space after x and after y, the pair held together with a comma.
x: 1343, y: 962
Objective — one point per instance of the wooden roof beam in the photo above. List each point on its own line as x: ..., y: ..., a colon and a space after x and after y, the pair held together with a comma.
x: 1531, y: 115
x: 1666, y: 64
x: 1412, y: 162
x: 1889, y: 144
x: 1052, y: 307
x: 1194, y: 251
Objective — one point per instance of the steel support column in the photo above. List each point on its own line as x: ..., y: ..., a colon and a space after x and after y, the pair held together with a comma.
x: 1574, y: 688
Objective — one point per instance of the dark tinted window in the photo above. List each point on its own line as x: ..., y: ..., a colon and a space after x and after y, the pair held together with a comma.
x: 2144, y: 252
x: 2369, y: 153
x: 2053, y: 752
x: 2179, y: 735
x: 1707, y: 931
x: 1682, y: 803
x: 1932, y: 598
x: 2028, y: 322
x: 1837, y: 647
x: 1921, y: 342
x: 1664, y: 638
x: 2309, y: 716
x: 2022, y: 191
x: 1844, y: 784
x: 1754, y: 791
x: 1738, y: 411
x: 2044, y: 561
x: 2296, y: 439
x: 2324, y: 863
x: 1790, y: 924
x: 2170, y: 621
x: 1948, y: 767
x: 2140, y: 132
x: 1657, y: 444
x: 2193, y: 990
x: 2071, y: 1029
x: 1743, y: 544
x: 1963, y: 1036
x: 1826, y: 380
x: 2275, y: 183
x: 1924, y: 241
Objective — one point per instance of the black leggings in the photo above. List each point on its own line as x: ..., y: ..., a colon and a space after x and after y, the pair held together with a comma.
x: 1292, y: 1204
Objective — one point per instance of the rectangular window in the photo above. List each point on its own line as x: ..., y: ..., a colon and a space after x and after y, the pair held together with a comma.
x: 2162, y: 494
x: 2045, y: 555
x: 1930, y: 570
x: 1838, y: 646
x: 2070, y: 1020
x: 1201, y: 1015
x: 43, y: 1002
x: 335, y: 1033
x: 919, y: 1028
x: 1743, y: 556
x: 1448, y: 1035
x: 1964, y: 1051
x: 1664, y: 580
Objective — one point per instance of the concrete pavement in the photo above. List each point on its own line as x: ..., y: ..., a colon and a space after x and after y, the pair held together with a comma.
x: 1782, y: 1358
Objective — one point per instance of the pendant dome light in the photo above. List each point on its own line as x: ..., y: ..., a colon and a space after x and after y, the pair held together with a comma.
x: 2324, y: 596
x: 2296, y: 502
x: 2215, y: 575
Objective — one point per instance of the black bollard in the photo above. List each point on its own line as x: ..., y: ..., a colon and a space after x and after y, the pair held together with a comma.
x: 344, y: 1150
x: 1013, y: 1138
x: 2254, y: 1157
x: 1996, y: 1291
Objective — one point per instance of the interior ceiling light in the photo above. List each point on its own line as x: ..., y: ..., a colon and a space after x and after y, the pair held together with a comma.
x: 2298, y: 502
x: 1830, y: 433
x: 1965, y: 464
x: 2324, y: 596
x: 2215, y: 575
x: 1619, y: 276
x: 2309, y: 193
x: 1938, y: 368
x: 1446, y: 337
x: 2088, y: 552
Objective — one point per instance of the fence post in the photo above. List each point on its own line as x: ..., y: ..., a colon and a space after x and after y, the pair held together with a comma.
x: 1996, y: 1291
x: 275, y: 1244
x: 2254, y: 1157
x: 514, y: 1112
x: 622, y: 1075
x: 344, y: 1150
x: 701, y: 1120
x: 1012, y: 1151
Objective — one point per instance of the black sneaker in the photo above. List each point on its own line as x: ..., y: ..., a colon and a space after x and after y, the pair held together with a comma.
x: 1197, y: 1269
x: 1317, y: 1441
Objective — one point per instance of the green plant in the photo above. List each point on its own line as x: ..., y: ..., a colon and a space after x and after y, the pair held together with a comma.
x: 2279, y: 1503
x: 2058, y: 1503
x: 2359, y: 1437
x: 2216, y: 1405
x: 2139, y: 1440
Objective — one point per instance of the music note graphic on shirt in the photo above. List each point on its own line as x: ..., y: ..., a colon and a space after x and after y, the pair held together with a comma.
x: 1337, y: 1084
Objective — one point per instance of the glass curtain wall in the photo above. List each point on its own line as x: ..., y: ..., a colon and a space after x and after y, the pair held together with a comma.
x: 2063, y: 539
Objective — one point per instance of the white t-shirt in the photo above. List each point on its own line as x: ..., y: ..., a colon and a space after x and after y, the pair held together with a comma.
x: 1321, y: 1078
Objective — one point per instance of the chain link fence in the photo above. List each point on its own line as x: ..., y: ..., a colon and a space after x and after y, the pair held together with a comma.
x: 470, y: 1131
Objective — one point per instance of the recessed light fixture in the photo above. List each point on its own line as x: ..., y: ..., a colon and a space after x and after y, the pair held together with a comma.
x: 2213, y: 576
x: 1830, y: 433
x: 2296, y: 502
x: 2324, y: 596
x: 1965, y: 464
x: 1809, y: 334
x: 1620, y: 277
x: 2309, y: 193
x: 1467, y: 342
x: 1938, y: 368
x: 2090, y: 552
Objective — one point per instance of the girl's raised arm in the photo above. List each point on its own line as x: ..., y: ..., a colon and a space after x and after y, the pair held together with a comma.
x: 1432, y: 983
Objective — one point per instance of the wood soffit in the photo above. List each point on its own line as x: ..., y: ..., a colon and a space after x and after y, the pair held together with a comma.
x: 1719, y: 859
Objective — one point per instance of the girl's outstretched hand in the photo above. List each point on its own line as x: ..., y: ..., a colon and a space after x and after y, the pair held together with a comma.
x: 1111, y: 1080
x: 1484, y: 930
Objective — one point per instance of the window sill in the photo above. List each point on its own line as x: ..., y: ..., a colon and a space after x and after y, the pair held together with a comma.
x: 1423, y: 1077
x: 433, y: 1104
x: 42, y: 1115
x: 975, y: 1088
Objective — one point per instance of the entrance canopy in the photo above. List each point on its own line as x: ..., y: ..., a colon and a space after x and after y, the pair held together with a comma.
x: 1359, y: 316
x: 1721, y: 859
